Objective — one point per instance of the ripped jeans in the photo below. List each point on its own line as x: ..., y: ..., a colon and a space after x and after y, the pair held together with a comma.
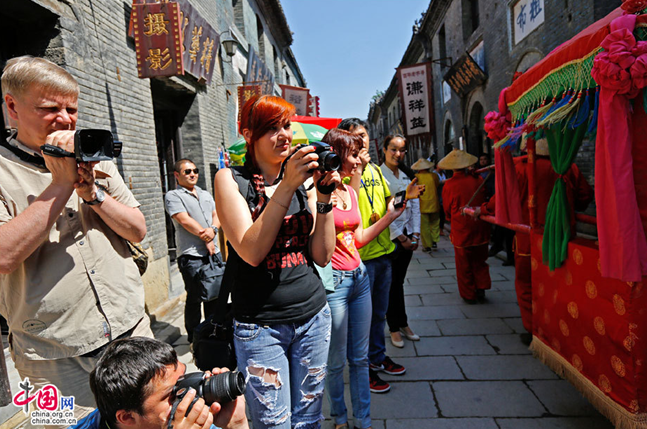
x: 285, y: 367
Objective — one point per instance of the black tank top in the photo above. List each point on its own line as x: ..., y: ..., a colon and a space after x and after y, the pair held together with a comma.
x: 285, y: 287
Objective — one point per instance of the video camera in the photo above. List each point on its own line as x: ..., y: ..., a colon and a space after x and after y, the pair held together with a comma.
x: 89, y: 145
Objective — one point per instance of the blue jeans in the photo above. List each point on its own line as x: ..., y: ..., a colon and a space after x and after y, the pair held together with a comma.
x: 350, y: 306
x: 285, y: 368
x: 379, y: 274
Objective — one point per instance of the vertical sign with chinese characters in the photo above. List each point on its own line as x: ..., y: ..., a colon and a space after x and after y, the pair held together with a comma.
x: 258, y: 73
x: 201, y: 43
x: 527, y: 15
x: 415, y: 96
x: 300, y: 97
x: 157, y: 39
x: 245, y: 92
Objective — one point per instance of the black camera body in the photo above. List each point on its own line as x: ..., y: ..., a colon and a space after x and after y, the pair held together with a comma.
x: 221, y: 388
x: 89, y: 145
x: 399, y: 198
x: 328, y: 160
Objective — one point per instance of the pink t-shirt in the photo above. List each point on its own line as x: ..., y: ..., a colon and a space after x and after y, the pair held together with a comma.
x: 346, y: 256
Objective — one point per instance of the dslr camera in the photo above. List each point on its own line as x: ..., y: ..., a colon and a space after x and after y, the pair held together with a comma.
x: 221, y: 388
x: 328, y: 160
x: 89, y: 145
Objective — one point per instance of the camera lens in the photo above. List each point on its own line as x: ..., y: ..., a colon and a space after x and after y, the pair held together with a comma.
x: 223, y: 387
x: 331, y: 161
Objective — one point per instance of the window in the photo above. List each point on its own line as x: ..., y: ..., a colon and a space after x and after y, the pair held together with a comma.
x: 470, y: 17
x: 442, y: 42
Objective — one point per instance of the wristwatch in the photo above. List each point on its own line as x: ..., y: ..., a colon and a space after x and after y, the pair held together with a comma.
x: 99, y: 196
x: 215, y: 229
x: 323, y: 208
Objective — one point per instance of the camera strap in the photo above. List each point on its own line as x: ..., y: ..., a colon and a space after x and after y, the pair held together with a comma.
x: 24, y: 156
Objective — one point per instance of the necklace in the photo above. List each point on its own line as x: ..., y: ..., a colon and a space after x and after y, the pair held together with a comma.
x: 343, y: 201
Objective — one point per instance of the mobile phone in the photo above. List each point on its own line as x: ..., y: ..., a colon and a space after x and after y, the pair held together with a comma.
x: 398, y: 199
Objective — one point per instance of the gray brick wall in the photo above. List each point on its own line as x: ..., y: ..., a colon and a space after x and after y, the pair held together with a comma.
x: 91, y: 42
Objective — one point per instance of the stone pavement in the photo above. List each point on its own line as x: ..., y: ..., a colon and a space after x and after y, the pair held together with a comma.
x: 469, y: 370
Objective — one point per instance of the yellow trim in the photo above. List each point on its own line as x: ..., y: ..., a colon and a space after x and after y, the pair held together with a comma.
x: 579, y: 60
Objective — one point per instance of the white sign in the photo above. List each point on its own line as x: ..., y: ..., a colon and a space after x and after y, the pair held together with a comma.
x: 299, y: 97
x: 415, y: 98
x: 447, y: 92
x: 527, y: 15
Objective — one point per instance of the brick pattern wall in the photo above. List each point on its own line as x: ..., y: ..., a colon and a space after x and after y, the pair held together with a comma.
x: 94, y: 47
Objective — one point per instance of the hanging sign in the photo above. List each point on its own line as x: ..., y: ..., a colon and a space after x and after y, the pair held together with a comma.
x: 258, y: 73
x: 415, y: 96
x: 199, y: 41
x: 527, y: 16
x: 465, y: 75
x: 300, y: 97
x: 245, y: 92
x: 157, y: 39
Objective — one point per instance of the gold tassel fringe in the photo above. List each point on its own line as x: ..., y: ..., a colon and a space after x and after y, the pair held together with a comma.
x: 620, y: 417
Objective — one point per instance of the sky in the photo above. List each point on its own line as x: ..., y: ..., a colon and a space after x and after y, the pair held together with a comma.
x: 349, y: 49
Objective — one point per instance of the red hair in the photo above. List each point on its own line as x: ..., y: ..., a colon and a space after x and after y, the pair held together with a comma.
x: 261, y: 113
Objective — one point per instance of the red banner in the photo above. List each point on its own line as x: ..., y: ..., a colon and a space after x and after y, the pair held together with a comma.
x: 245, y: 92
x: 157, y: 39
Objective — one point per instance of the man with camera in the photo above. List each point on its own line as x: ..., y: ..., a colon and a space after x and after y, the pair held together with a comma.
x: 139, y: 383
x: 68, y: 284
x: 193, y: 211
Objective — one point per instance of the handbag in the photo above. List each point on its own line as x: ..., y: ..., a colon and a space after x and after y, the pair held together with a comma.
x: 213, y: 339
x: 210, y: 276
x: 139, y: 256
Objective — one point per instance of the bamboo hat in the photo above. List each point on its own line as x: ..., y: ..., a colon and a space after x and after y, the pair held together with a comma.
x: 457, y: 160
x: 541, y: 146
x: 422, y: 164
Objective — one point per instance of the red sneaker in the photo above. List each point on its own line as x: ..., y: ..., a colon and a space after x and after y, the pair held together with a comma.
x: 377, y: 385
x: 388, y: 367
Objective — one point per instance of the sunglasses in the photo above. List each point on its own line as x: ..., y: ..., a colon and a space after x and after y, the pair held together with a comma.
x: 188, y: 171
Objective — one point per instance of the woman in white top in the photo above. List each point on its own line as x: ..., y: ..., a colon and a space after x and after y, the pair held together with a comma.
x: 405, y: 233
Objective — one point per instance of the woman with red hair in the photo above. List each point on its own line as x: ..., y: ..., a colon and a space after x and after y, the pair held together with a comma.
x: 277, y: 231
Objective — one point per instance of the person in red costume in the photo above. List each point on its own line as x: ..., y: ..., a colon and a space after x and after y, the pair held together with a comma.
x: 469, y: 236
x: 579, y: 194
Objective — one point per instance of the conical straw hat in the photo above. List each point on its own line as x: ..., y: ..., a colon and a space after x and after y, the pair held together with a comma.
x: 456, y: 160
x: 541, y: 146
x: 422, y: 164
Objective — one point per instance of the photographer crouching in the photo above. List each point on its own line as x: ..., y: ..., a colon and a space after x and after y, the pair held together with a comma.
x: 139, y: 383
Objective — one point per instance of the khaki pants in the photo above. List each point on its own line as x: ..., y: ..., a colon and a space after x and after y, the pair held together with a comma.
x: 429, y: 228
x: 71, y: 376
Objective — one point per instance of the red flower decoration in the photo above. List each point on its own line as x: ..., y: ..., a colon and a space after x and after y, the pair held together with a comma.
x: 497, y: 126
x: 639, y: 72
x: 634, y: 6
x: 610, y: 75
x: 619, y: 45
